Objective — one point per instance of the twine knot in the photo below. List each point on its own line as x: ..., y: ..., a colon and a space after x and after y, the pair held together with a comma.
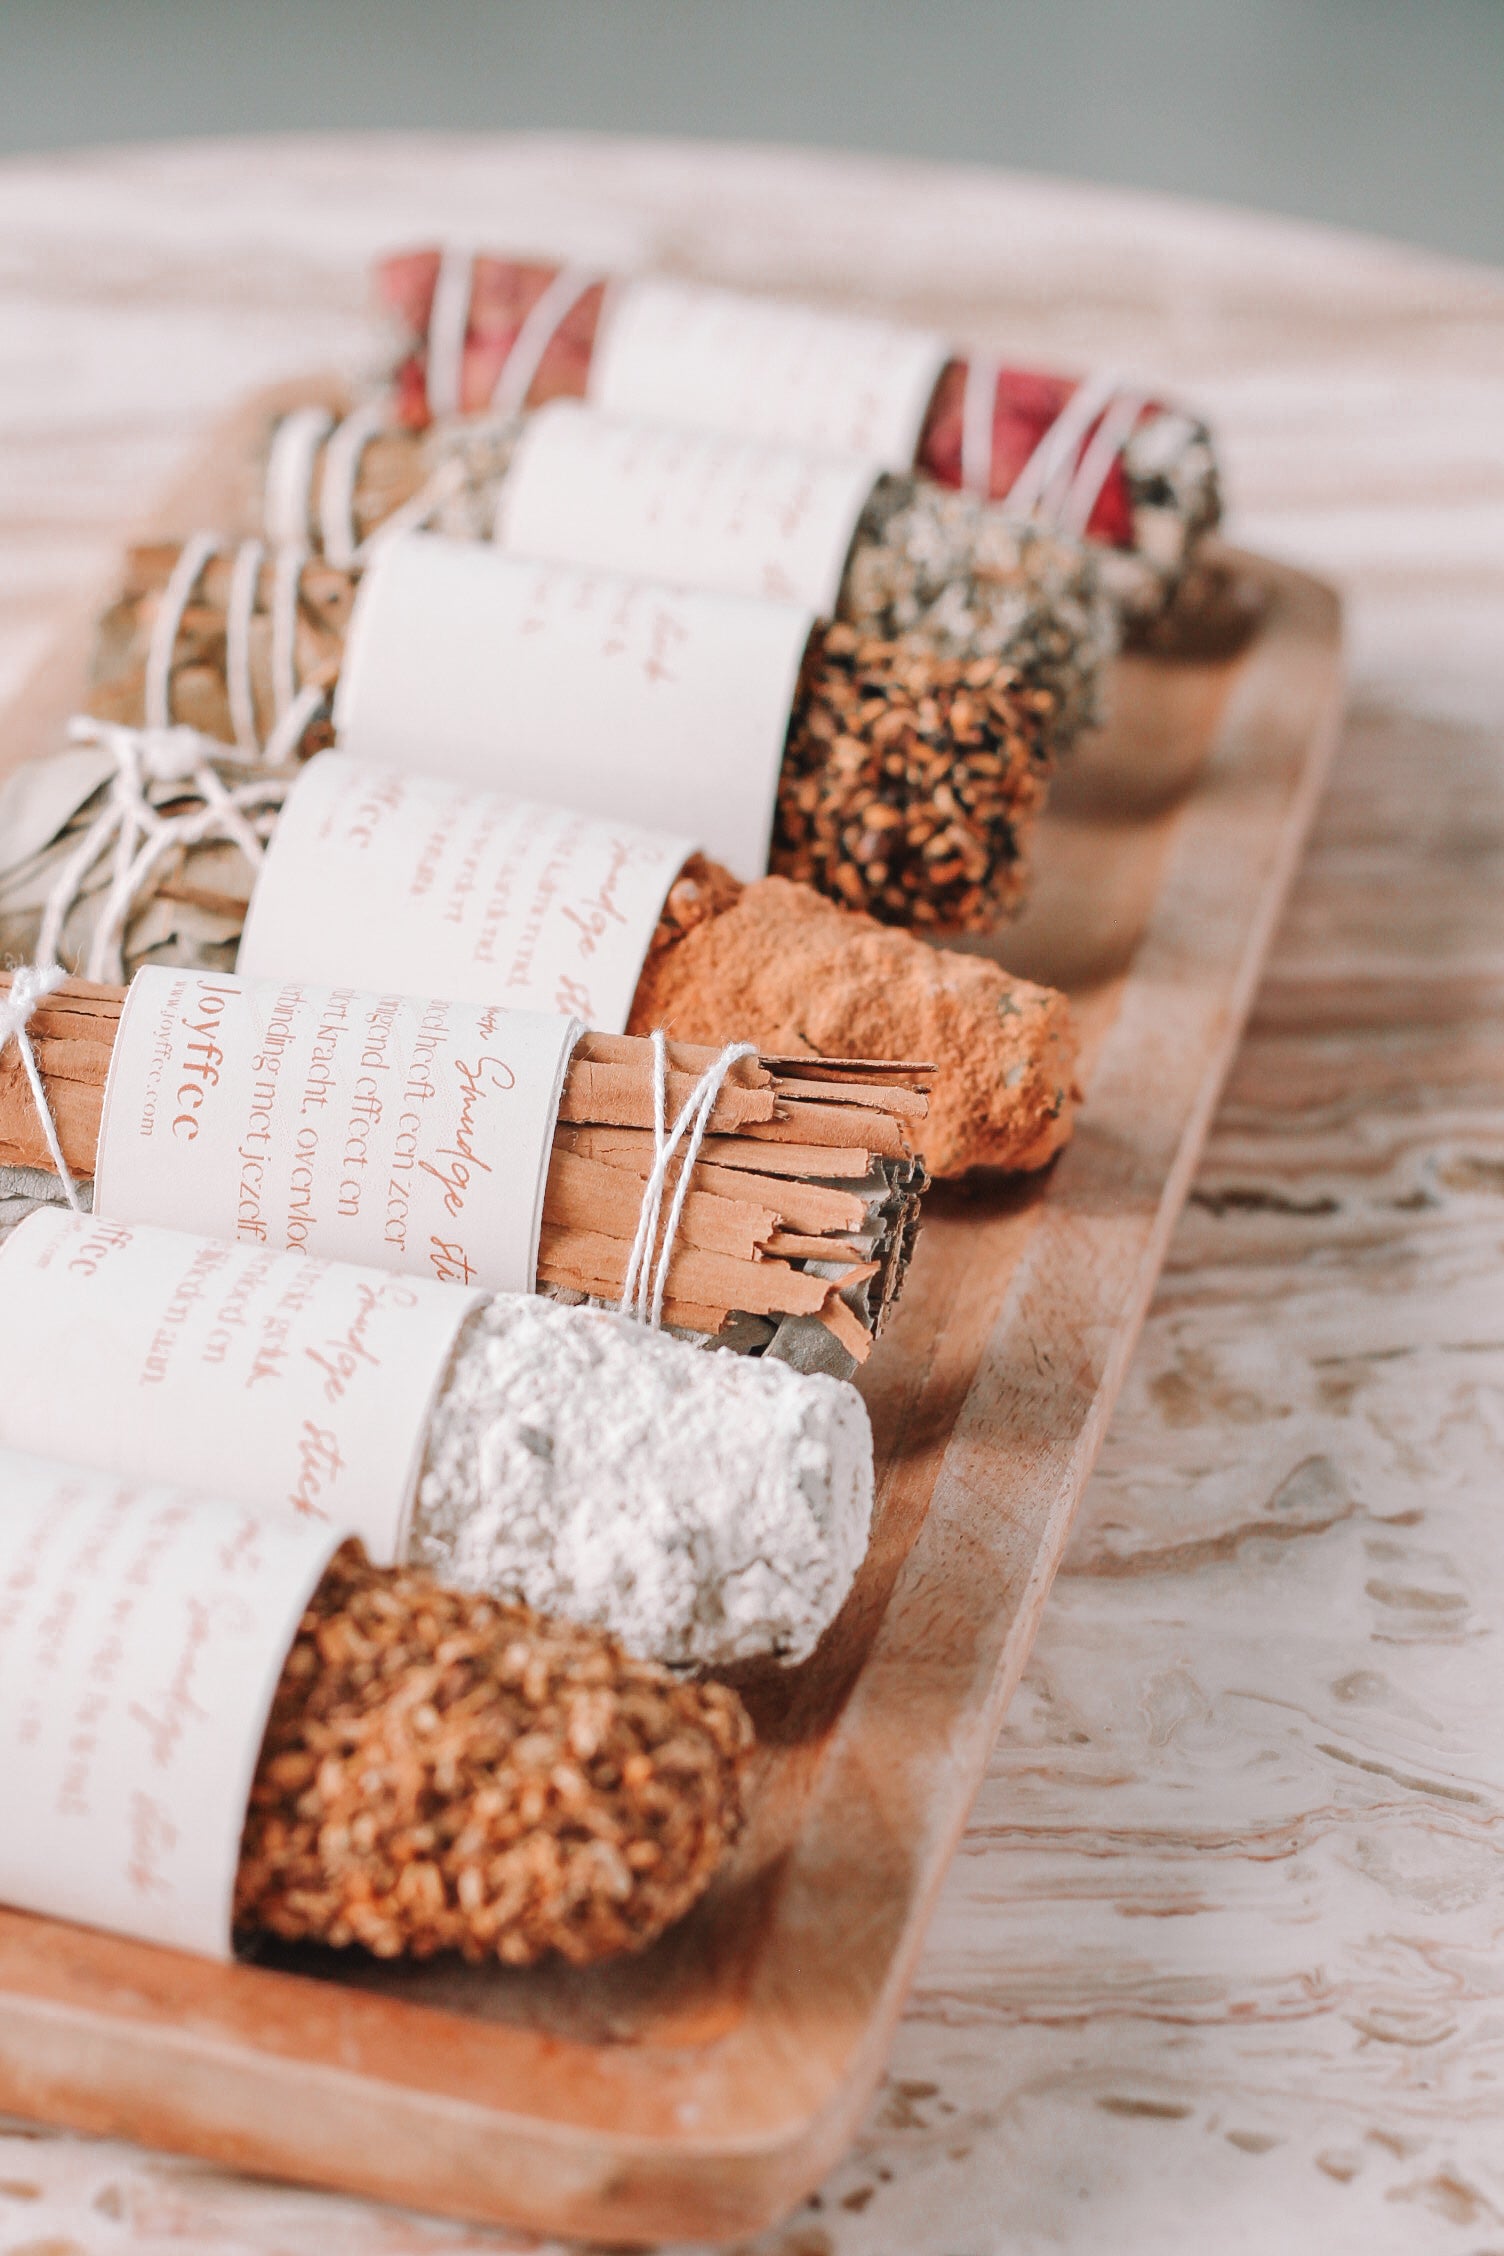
x: 136, y: 839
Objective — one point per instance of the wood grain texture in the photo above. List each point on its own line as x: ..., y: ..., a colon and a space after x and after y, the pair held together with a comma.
x: 1192, y: 1976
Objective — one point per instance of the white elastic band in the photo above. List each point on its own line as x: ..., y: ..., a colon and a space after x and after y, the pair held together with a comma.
x: 448, y: 329
x: 28, y: 986
x: 339, y: 536
x: 135, y: 839
x: 287, y: 495
x: 978, y: 416
x: 647, y: 1281
x: 245, y: 579
x: 1096, y: 464
x: 176, y: 596
x: 541, y: 324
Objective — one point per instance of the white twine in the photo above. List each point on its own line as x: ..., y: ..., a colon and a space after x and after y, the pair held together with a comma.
x: 647, y: 1281
x: 286, y: 497
x: 339, y: 536
x: 541, y: 324
x: 287, y: 578
x: 287, y: 504
x: 1047, y: 481
x: 448, y: 328
x: 175, y: 599
x: 978, y: 415
x: 295, y: 708
x: 28, y: 987
x: 137, y: 839
x: 1095, y: 466
x: 449, y: 333
x: 245, y: 579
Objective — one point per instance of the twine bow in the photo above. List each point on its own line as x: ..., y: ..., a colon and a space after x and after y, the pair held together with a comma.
x: 137, y: 839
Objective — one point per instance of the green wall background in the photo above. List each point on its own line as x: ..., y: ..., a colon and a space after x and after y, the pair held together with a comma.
x: 1386, y: 115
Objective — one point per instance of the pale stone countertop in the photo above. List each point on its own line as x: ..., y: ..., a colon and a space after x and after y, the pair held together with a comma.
x: 1220, y: 1965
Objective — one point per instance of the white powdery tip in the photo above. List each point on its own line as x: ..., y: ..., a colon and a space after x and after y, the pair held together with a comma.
x: 704, y: 1507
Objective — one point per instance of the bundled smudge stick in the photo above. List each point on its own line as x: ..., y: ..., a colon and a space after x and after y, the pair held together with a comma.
x: 443, y: 1772
x: 947, y: 571
x: 772, y: 963
x: 909, y: 787
x: 1093, y: 458
x: 704, y: 1508
x: 793, y: 1239
x: 250, y: 1729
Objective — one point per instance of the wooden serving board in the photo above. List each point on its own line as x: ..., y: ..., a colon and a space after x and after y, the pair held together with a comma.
x: 698, y: 2092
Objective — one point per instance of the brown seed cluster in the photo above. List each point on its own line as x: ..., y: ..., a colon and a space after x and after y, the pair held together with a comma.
x: 445, y: 1772
x: 911, y: 782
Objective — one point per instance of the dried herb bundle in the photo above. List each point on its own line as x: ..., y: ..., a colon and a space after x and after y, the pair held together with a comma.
x: 1157, y: 497
x: 947, y: 570
x: 870, y: 739
x: 795, y: 1235
x: 771, y: 963
x: 446, y: 1773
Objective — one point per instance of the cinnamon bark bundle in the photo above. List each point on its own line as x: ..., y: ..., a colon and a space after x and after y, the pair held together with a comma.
x: 947, y: 571
x: 771, y: 963
x: 444, y: 1772
x: 796, y: 1231
x: 910, y: 782
x: 1146, y: 496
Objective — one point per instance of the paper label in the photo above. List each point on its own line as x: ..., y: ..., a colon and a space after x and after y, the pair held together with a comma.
x: 702, y: 508
x: 627, y: 700
x: 329, y: 1120
x: 412, y: 883
x: 764, y: 368
x: 142, y: 1635
x: 271, y: 1379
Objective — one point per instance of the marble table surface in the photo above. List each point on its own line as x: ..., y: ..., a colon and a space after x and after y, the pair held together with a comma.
x: 1221, y: 1961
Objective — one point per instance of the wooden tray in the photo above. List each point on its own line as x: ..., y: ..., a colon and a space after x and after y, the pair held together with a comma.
x: 697, y: 2093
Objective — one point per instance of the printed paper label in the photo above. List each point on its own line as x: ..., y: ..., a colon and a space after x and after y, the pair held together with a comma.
x: 271, y: 1379
x: 411, y: 883
x: 701, y: 508
x: 142, y: 1634
x: 715, y: 360
x: 623, y: 699
x: 335, y: 1121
